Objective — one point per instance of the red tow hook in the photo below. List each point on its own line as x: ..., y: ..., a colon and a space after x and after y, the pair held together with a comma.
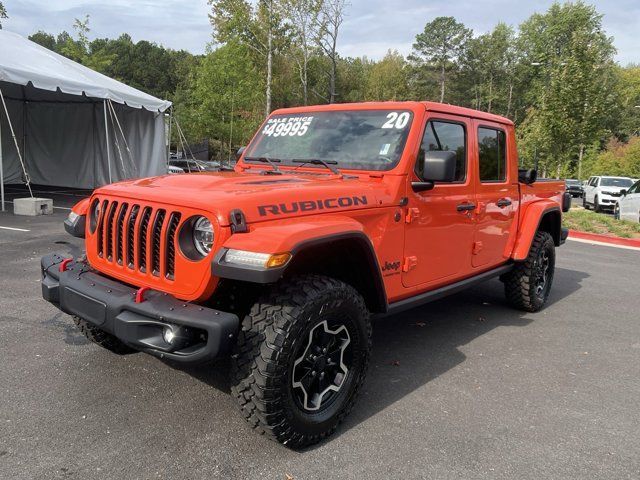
x: 140, y: 294
x: 64, y: 263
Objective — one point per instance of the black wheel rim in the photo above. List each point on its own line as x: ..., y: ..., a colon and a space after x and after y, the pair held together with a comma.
x: 542, y: 270
x: 321, y: 369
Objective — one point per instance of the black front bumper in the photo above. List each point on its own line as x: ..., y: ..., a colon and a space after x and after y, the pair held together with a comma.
x: 111, y: 306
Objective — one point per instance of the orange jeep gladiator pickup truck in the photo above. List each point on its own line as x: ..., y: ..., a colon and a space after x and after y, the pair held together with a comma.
x: 332, y: 215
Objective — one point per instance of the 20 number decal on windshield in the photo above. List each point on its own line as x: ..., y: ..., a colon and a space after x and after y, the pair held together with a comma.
x: 281, y: 127
x: 397, y: 120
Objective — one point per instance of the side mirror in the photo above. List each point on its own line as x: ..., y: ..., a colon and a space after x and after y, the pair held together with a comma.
x: 436, y: 166
x: 527, y: 176
x: 240, y: 152
x: 623, y: 192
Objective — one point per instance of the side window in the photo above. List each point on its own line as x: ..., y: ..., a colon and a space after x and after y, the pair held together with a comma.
x: 444, y: 136
x: 492, y: 150
x: 635, y: 188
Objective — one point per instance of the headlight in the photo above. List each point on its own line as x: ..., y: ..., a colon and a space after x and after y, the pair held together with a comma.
x: 255, y: 259
x: 94, y: 215
x: 203, y: 236
x: 72, y: 217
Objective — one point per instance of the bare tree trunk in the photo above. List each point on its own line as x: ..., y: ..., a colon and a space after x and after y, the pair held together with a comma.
x: 442, y: 84
x: 269, y: 63
x: 490, y: 93
x: 305, y: 81
x: 580, y: 156
x: 332, y: 81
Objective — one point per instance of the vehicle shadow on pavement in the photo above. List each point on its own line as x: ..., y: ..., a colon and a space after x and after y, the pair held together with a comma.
x: 415, y: 347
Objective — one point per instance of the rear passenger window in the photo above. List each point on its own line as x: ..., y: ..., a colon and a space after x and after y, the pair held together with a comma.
x: 444, y: 136
x: 493, y: 157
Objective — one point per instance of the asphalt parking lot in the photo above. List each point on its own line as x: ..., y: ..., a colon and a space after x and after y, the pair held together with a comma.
x: 461, y: 388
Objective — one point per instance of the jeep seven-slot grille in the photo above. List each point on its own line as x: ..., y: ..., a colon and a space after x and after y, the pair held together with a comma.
x: 138, y: 237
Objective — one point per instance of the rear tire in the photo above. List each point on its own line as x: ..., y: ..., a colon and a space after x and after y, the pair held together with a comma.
x: 584, y: 202
x: 308, y: 335
x: 528, y: 285
x: 102, y: 338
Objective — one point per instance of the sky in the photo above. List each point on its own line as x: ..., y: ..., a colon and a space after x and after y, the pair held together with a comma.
x: 370, y: 29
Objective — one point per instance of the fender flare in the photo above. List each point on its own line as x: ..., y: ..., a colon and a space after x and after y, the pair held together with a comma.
x: 297, y: 239
x: 532, y: 221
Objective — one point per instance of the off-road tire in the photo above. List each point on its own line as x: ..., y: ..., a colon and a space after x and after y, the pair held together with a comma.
x: 520, y: 284
x: 271, y: 337
x: 102, y: 338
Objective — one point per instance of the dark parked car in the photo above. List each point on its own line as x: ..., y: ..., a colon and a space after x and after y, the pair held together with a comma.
x: 194, y: 165
x: 574, y: 187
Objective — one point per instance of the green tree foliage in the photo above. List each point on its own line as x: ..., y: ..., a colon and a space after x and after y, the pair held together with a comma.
x: 222, y: 98
x: 619, y: 158
x: 570, y: 62
x: 82, y: 51
x: 387, y: 79
x: 3, y: 13
x: 440, y: 47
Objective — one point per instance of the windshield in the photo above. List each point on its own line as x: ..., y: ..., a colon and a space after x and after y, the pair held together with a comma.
x: 616, y: 182
x: 350, y: 139
x: 573, y: 182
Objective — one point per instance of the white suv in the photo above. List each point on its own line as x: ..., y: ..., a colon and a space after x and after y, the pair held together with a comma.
x: 628, y: 206
x: 604, y: 192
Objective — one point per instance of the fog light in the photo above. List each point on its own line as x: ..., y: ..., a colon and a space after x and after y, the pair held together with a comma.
x: 168, y: 335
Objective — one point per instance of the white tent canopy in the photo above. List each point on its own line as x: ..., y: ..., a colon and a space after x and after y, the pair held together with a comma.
x: 72, y: 126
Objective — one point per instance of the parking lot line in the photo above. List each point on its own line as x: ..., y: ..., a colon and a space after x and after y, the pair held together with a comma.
x: 15, y: 229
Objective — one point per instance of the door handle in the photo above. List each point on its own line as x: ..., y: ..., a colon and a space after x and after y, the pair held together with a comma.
x: 466, y: 207
x: 503, y: 202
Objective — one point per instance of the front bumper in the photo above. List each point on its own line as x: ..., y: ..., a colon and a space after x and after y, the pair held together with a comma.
x: 111, y: 306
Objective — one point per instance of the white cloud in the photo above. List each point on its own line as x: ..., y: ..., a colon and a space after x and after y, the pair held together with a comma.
x: 371, y: 28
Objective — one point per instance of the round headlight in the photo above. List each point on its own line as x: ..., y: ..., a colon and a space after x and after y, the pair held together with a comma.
x: 203, y: 236
x: 95, y: 215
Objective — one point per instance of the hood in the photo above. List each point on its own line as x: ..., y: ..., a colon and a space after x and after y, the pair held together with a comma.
x: 261, y: 197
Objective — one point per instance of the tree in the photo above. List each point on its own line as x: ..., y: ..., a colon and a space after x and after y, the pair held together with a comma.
x: 3, y: 13
x: 221, y: 98
x: 80, y: 50
x: 387, y: 79
x: 303, y: 19
x: 570, y: 61
x: 331, y: 18
x: 440, y: 46
x: 255, y: 27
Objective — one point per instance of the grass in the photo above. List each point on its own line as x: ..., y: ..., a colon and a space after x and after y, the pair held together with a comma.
x: 588, y: 221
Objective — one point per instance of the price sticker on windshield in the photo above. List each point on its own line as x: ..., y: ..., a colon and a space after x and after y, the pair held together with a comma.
x: 283, y: 127
x: 397, y: 120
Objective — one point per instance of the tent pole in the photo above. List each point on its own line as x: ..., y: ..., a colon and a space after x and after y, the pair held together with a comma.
x: 15, y: 141
x: 1, y: 168
x: 169, y: 139
x: 106, y: 137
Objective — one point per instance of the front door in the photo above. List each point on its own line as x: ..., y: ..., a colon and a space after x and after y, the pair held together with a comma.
x: 497, y: 195
x: 440, y: 222
x: 630, y: 203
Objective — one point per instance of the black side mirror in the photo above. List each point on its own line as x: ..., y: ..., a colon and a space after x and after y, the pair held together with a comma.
x: 435, y: 166
x: 623, y: 192
x: 240, y: 152
x: 527, y: 176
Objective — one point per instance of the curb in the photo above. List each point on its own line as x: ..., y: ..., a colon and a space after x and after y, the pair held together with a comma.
x: 608, y: 239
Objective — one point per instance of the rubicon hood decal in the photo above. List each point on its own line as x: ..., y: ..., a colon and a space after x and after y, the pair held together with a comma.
x: 311, y: 205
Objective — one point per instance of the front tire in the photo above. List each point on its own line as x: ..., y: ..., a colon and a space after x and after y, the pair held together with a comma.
x: 596, y: 205
x: 301, y: 358
x: 584, y: 202
x: 528, y: 285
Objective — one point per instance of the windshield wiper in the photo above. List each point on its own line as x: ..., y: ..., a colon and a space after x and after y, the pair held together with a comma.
x: 318, y: 161
x: 270, y: 161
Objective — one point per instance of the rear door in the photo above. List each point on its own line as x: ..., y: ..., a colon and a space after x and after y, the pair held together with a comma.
x: 497, y: 194
x: 440, y: 223
x: 630, y: 203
